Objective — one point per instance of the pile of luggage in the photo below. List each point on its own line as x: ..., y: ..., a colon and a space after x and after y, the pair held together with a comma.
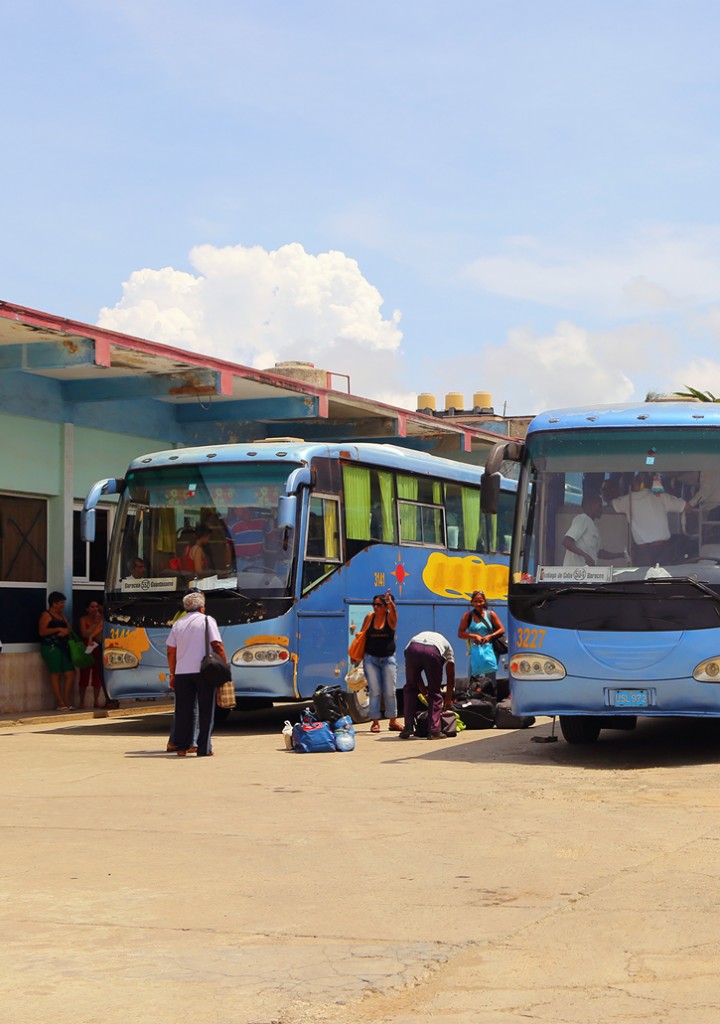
x: 325, y: 728
x: 481, y: 704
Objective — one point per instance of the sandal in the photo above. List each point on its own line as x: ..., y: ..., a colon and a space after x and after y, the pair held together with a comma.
x: 375, y: 727
x: 395, y: 726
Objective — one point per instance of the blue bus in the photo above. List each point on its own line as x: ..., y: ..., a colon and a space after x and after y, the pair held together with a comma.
x: 630, y: 625
x: 289, y: 540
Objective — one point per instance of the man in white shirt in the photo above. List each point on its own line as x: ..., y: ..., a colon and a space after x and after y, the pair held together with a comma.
x: 647, y: 514
x: 582, y: 541
x: 427, y: 653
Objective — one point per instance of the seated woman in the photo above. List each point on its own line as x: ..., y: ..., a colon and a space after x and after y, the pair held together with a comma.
x: 194, y: 557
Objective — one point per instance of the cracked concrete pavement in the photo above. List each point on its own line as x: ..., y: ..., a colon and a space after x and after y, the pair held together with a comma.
x: 486, y: 879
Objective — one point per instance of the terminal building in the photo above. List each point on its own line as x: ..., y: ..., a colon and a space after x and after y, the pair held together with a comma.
x: 78, y: 403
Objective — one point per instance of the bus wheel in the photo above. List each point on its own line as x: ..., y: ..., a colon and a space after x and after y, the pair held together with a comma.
x: 581, y: 729
x: 358, y: 704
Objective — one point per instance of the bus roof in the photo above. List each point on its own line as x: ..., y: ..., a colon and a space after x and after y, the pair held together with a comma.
x: 296, y: 452
x: 641, y: 414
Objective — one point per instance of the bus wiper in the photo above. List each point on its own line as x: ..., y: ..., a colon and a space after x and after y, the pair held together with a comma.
x: 130, y: 602
x: 630, y: 594
x: 693, y: 581
x: 227, y: 591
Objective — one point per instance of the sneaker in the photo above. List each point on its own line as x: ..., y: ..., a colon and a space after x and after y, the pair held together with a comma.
x: 404, y: 734
x: 437, y: 736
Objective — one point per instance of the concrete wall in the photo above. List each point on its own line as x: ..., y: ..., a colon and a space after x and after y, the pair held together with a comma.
x: 58, y: 461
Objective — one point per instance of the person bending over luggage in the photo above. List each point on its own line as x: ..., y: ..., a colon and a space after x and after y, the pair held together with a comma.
x: 479, y: 626
x: 379, y: 663
x: 426, y: 654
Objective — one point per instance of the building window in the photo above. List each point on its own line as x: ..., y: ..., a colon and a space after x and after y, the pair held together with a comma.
x: 23, y: 539
x: 90, y: 560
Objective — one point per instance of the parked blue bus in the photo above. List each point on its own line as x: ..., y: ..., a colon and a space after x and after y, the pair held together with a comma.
x: 294, y: 539
x: 633, y: 627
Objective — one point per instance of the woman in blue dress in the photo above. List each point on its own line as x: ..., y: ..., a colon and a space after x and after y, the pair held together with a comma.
x: 479, y: 627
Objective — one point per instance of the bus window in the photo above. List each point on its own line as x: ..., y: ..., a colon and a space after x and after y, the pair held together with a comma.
x: 322, y: 548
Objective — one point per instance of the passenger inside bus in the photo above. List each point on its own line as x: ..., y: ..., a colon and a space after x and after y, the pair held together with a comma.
x: 646, y: 509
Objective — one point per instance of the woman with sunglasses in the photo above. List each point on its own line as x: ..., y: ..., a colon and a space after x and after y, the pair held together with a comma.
x: 379, y: 663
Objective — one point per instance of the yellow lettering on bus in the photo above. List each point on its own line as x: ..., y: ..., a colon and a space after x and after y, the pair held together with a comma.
x: 459, y: 576
x: 134, y: 640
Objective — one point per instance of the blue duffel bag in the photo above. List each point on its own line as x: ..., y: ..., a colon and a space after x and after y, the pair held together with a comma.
x: 312, y: 737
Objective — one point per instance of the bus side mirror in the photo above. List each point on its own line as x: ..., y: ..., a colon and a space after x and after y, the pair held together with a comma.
x: 489, y: 493
x: 87, y: 524
x: 287, y: 511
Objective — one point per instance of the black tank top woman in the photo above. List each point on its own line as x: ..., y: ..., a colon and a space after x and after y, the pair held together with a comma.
x: 380, y: 643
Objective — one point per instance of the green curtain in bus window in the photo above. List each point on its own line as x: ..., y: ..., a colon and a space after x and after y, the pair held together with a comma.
x: 356, y: 484
x: 437, y: 514
x: 471, y: 518
x: 407, y: 487
x: 166, y: 538
x: 332, y: 537
x: 385, y: 482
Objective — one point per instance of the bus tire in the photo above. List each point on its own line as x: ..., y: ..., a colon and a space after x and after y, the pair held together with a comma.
x: 579, y: 729
x: 358, y: 705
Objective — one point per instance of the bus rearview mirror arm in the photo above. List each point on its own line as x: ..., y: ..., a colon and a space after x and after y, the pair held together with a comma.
x: 111, y: 485
x: 503, y: 451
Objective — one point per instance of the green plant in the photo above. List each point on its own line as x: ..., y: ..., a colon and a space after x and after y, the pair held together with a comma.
x: 701, y: 396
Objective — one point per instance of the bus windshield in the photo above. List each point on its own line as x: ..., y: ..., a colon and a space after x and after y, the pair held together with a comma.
x: 609, y: 506
x: 215, y: 525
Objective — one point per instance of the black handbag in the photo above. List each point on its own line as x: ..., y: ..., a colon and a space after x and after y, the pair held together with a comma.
x: 213, y: 669
x: 500, y: 645
x: 448, y: 723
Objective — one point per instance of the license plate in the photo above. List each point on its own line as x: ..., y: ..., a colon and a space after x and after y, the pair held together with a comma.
x: 632, y: 699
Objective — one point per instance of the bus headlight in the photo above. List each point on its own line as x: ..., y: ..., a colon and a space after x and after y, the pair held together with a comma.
x: 260, y: 656
x: 117, y: 657
x: 540, y: 667
x: 708, y: 671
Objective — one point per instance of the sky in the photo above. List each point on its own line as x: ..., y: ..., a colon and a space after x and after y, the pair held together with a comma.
x: 511, y: 196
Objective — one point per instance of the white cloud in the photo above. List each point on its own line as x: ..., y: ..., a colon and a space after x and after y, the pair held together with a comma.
x: 256, y: 307
x: 655, y: 269
x: 575, y: 366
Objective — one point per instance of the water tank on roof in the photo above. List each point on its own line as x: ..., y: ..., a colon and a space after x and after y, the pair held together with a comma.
x: 426, y: 402
x: 454, y: 401
x: 482, y: 400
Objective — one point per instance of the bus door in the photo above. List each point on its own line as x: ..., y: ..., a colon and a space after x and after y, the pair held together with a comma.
x: 321, y: 649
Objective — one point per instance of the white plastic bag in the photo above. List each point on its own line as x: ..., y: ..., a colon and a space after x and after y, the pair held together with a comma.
x: 344, y: 733
x: 287, y: 735
x: 355, y: 678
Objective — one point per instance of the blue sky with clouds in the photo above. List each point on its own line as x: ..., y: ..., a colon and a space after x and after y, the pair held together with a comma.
x: 498, y: 195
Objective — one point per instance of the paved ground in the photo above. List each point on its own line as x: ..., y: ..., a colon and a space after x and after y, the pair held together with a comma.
x: 487, y: 879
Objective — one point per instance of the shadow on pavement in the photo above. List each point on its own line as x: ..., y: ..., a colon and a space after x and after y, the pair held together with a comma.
x: 268, y: 721
x: 655, y: 743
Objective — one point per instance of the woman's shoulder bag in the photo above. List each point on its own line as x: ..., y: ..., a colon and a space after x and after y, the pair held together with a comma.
x: 213, y: 668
